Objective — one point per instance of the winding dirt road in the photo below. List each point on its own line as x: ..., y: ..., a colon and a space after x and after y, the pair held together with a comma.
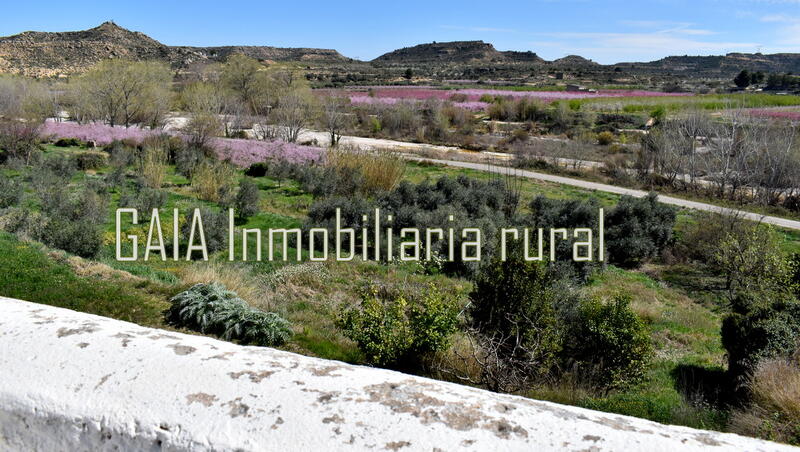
x: 374, y: 143
x: 777, y: 221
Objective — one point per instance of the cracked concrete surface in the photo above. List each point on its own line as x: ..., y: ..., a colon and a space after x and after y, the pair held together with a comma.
x: 73, y: 381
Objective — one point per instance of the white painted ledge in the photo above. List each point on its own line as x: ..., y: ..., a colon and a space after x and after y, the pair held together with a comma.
x: 77, y: 382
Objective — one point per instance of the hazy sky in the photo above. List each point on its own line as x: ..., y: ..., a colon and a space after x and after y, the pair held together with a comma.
x: 606, y: 32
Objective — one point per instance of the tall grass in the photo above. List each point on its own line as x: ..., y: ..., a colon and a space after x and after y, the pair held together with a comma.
x: 381, y: 169
x: 153, y: 166
x: 212, y: 180
x: 775, y: 410
x: 235, y: 277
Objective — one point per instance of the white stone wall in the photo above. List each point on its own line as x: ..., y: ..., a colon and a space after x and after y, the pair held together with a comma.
x: 76, y: 382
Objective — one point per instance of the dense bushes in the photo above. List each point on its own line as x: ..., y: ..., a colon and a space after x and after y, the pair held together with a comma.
x: 605, y: 138
x: 638, y: 229
x: 211, y: 309
x: 530, y: 323
x: 91, y: 160
x: 513, y: 314
x: 761, y: 325
x: 75, y: 224
x: 471, y: 203
x: 247, y: 199
x: 143, y: 198
x: 68, y: 142
x: 570, y: 214
x: 215, y: 227
x: 10, y: 191
x: 397, y: 330
x: 523, y: 109
x: 213, y: 180
x: 153, y: 165
x: 379, y: 171
x: 609, y: 343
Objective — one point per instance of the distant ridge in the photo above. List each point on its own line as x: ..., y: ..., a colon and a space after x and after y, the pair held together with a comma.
x: 38, y: 53
x: 46, y: 54
x: 455, y: 52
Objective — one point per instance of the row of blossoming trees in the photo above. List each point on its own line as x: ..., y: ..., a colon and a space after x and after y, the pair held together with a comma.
x: 220, y: 99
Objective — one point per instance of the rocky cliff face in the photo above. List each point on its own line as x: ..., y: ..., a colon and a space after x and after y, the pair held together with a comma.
x: 455, y: 52
x: 45, y: 54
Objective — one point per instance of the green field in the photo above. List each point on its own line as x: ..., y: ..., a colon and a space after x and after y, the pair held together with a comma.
x: 684, y: 322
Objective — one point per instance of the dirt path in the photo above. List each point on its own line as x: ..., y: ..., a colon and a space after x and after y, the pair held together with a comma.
x: 323, y: 139
x: 777, y: 221
x: 411, y: 148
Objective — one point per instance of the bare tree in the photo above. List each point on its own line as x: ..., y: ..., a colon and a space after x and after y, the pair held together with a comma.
x: 663, y: 152
x: 777, y: 161
x: 728, y: 153
x: 246, y: 77
x: 294, y: 112
x: 24, y: 105
x: 691, y: 128
x: 202, y: 128
x: 124, y: 92
x: 335, y: 118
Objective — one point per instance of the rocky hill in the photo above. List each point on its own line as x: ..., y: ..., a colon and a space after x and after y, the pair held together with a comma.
x: 455, y: 52
x: 52, y: 54
x: 721, y: 65
x: 44, y: 54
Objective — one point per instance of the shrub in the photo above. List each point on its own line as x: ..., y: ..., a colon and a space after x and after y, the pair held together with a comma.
x: 91, y: 160
x: 121, y: 154
x: 212, y: 309
x: 187, y: 159
x: 68, y: 143
x: 74, y: 224
x: 761, y: 325
x: 247, y: 199
x: 257, y: 170
x: 570, y: 214
x: 513, y: 312
x: 19, y: 139
x: 393, y: 329
x: 325, y: 181
x: 10, y: 191
x: 61, y: 166
x: 215, y: 229
x: 144, y: 199
x: 380, y: 170
x: 428, y: 204
x: 605, y: 138
x: 638, y: 229
x: 74, y: 236
x: 212, y: 180
x: 609, y: 343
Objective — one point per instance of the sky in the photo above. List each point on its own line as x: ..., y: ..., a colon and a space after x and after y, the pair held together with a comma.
x: 606, y: 32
